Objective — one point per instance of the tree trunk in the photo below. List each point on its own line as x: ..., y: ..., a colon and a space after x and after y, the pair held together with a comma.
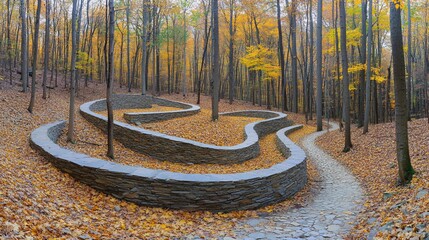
x: 409, y: 70
x: 346, y: 92
x: 292, y: 17
x: 24, y: 46
x: 9, y: 44
x: 46, y: 57
x: 70, y: 133
x: 281, y: 57
x: 311, y: 66
x: 361, y: 96
x: 35, y: 50
x: 184, y: 83
x: 402, y: 151
x: 216, y: 66
x: 425, y: 68
x: 168, y: 59
x: 128, y: 47
x: 121, y: 57
x: 319, y: 65
x: 231, y: 53
x: 368, y: 71
x: 337, y: 101
x: 203, y: 64
x: 110, y: 151
x: 389, y: 78
x: 144, y: 47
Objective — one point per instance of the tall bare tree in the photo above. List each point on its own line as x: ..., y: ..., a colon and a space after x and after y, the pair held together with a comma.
x: 319, y: 65
x: 401, y: 116
x: 231, y: 52
x: 410, y: 60
x: 368, y: 70
x: 9, y: 11
x: 109, y: 89
x: 144, y: 46
x: 294, y: 56
x: 185, y: 33
x: 281, y: 56
x: 35, y: 50
x: 311, y: 64
x: 24, y: 45
x: 46, y: 47
x: 346, y: 82
x: 70, y: 133
x: 426, y: 62
x: 128, y: 47
x: 215, y: 62
x: 361, y: 94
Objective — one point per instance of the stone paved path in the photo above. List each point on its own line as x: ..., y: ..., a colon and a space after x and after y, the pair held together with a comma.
x: 328, y: 215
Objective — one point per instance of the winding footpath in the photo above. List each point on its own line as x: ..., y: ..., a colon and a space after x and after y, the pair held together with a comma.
x: 328, y: 215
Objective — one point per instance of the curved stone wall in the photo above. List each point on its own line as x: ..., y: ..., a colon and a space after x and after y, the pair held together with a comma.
x: 159, y: 188
x: 146, y: 117
x: 175, y: 149
x: 127, y: 101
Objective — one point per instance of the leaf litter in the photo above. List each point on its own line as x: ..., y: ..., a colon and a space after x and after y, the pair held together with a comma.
x: 39, y: 201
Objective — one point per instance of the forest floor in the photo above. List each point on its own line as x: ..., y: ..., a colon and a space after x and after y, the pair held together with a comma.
x: 391, y: 211
x: 39, y: 201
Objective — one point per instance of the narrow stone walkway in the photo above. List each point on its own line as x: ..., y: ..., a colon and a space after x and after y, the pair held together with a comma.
x: 328, y: 215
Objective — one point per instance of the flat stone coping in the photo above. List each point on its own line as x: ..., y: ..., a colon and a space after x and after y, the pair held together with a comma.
x: 160, y: 188
x: 147, y: 117
x: 175, y: 149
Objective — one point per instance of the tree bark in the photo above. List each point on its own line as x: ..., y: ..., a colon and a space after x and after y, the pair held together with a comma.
x: 281, y: 57
x: 47, y: 44
x: 128, y: 47
x: 216, y: 65
x: 70, y: 133
x: 311, y: 65
x: 294, y: 56
x: 402, y: 151
x: 231, y: 53
x: 184, y: 83
x: 319, y: 65
x: 361, y: 96
x: 24, y: 46
x: 35, y: 50
x: 409, y: 67
x: 346, y: 82
x: 144, y: 47
x: 425, y: 68
x: 109, y: 90
x: 368, y: 71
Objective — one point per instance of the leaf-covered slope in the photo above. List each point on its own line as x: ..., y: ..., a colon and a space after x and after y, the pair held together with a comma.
x: 390, y: 210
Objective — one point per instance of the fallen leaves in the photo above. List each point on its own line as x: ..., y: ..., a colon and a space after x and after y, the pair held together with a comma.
x: 227, y: 131
x: 46, y: 203
x: 390, y: 210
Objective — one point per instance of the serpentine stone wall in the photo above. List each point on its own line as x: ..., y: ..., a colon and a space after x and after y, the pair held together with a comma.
x: 127, y: 101
x: 159, y: 188
x: 176, y: 149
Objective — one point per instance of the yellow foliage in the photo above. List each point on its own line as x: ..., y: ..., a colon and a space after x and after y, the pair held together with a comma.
x: 260, y: 58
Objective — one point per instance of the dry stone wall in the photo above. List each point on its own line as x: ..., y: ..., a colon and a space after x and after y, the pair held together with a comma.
x: 159, y: 188
x: 170, y: 148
